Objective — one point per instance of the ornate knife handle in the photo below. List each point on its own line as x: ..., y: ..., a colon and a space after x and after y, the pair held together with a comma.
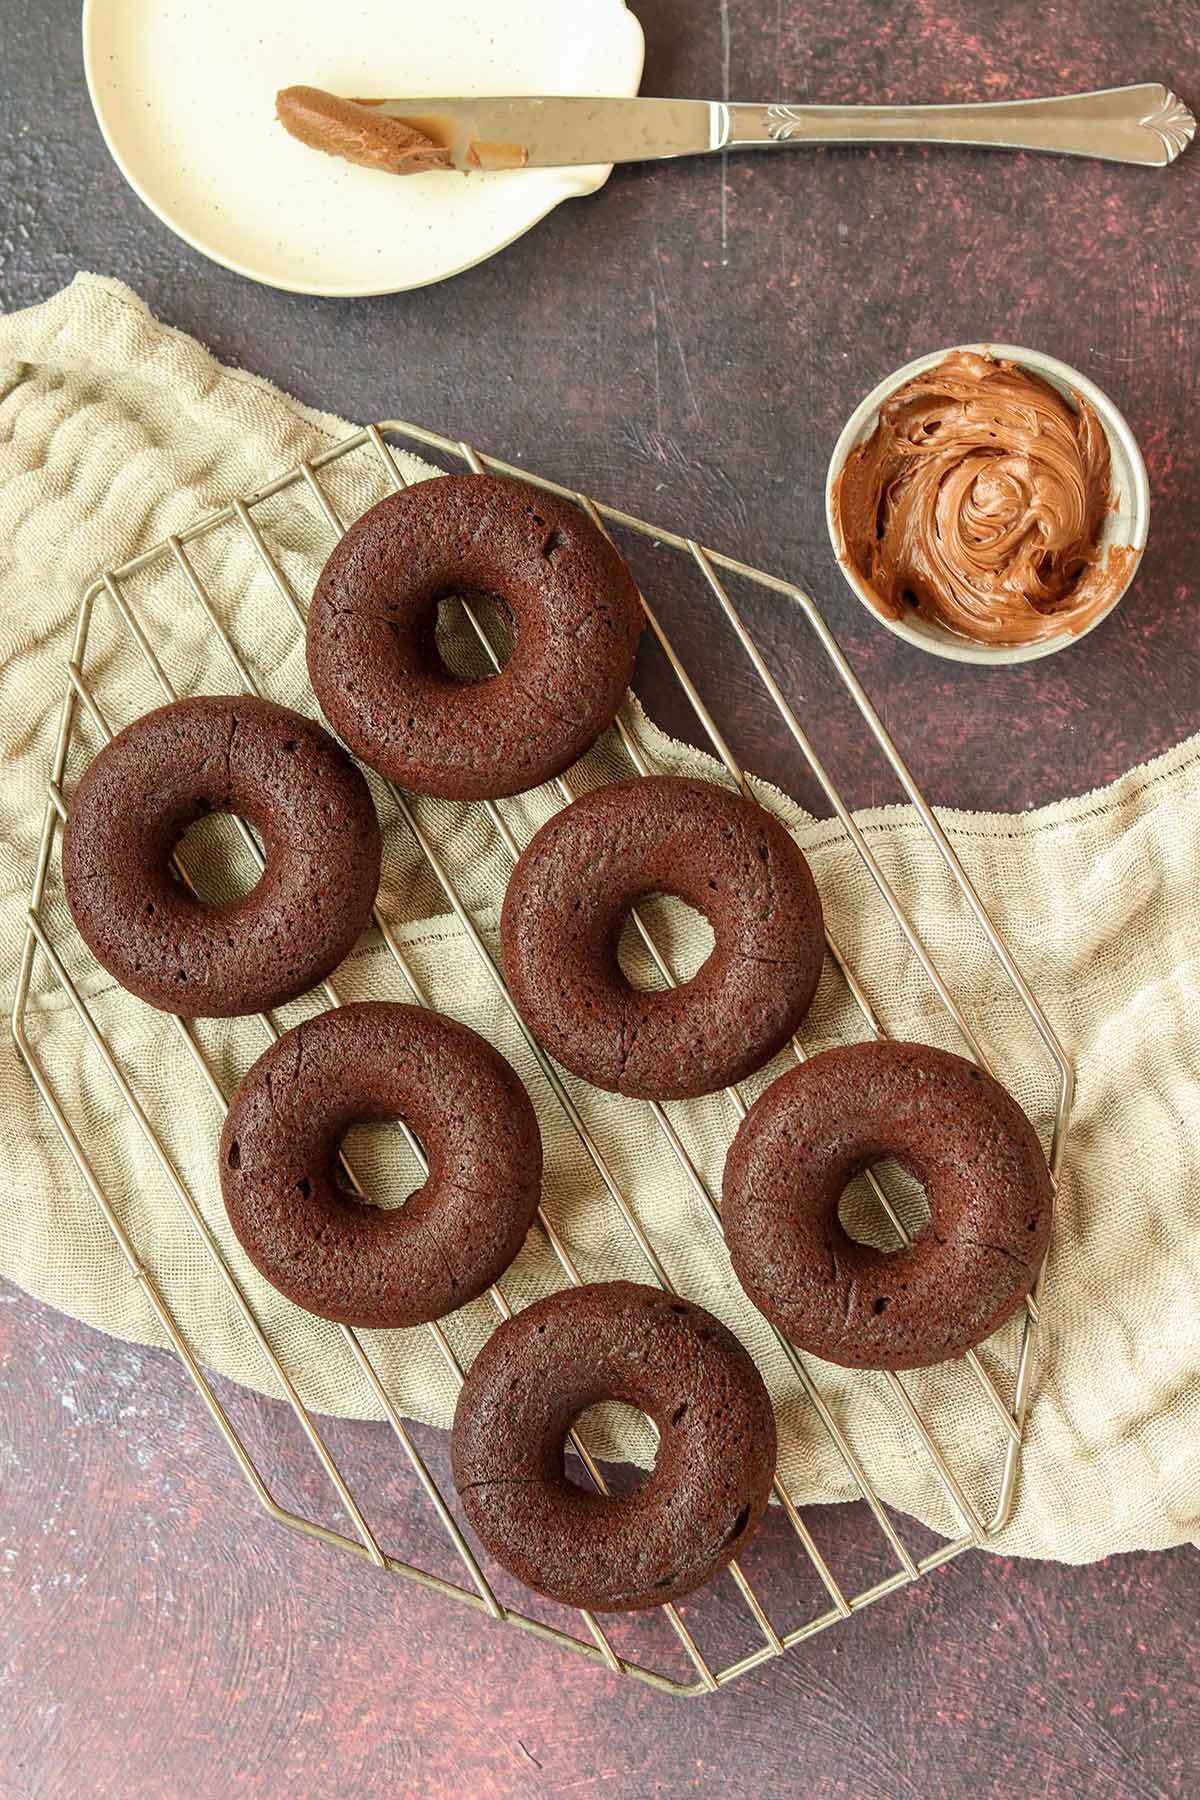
x: 1145, y: 124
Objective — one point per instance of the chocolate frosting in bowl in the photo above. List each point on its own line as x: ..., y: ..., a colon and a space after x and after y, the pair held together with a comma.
x: 980, y: 500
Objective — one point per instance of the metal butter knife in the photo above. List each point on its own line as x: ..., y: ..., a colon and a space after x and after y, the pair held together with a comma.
x: 1144, y: 124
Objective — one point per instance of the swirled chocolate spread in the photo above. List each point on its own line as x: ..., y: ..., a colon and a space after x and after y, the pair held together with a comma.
x: 353, y: 129
x: 980, y: 500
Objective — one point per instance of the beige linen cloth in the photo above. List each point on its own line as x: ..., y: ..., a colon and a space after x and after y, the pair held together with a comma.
x: 114, y: 431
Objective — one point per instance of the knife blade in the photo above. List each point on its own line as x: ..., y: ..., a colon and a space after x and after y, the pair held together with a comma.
x: 558, y: 132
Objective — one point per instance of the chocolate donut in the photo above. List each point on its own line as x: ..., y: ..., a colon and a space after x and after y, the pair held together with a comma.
x: 572, y: 890
x: 372, y: 651
x: 716, y: 1454
x: 312, y: 811
x: 337, y: 1255
x: 959, y: 1133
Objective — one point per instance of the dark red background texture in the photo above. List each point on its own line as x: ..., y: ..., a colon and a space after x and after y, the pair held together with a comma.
x: 686, y: 344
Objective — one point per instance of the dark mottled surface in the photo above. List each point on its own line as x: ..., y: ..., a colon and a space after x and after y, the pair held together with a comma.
x: 163, y: 1638
x: 687, y: 343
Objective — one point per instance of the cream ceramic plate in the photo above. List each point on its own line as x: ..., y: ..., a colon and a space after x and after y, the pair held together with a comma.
x: 184, y: 91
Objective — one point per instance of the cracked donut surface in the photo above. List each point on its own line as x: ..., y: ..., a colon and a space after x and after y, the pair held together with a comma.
x: 311, y: 810
x: 959, y: 1133
x: 295, y: 1215
x: 575, y: 885
x: 372, y: 636
x: 712, y: 1474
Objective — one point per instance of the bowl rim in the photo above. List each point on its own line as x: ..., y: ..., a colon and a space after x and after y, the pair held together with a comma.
x: 1122, y: 443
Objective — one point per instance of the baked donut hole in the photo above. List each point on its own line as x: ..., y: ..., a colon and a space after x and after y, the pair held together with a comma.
x: 683, y: 936
x: 456, y: 640
x: 602, y: 1428
x: 384, y: 1163
x: 217, y: 858
x: 863, y: 1218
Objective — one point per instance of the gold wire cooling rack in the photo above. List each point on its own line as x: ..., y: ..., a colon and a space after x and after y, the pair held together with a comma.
x: 835, y: 1598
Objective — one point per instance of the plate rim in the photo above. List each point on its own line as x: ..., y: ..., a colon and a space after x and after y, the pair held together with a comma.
x: 594, y: 175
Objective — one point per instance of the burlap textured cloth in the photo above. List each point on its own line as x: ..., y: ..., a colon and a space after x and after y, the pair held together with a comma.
x: 114, y: 431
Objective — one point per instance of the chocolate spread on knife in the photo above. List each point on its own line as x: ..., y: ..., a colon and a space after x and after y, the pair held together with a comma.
x: 353, y: 130
x: 359, y: 132
x: 980, y: 498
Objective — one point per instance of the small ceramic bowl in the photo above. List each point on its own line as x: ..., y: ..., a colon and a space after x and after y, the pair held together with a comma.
x: 1128, y: 520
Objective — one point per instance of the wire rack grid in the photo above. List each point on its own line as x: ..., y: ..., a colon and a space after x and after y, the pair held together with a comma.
x: 476, y: 1589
